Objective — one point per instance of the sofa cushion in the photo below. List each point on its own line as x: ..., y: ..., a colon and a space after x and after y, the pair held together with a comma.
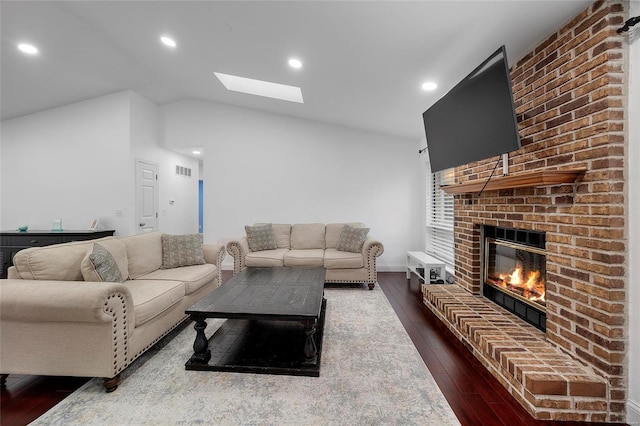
x: 152, y: 297
x: 307, y: 257
x: 116, y: 249
x: 260, y: 237
x: 181, y: 250
x: 334, y: 230
x: 335, y: 259
x: 194, y: 277
x: 59, y: 262
x: 282, y: 234
x: 99, y: 265
x: 144, y: 252
x: 352, y: 239
x: 308, y: 236
x: 266, y: 258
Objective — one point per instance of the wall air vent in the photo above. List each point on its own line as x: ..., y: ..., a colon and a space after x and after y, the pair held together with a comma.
x: 183, y: 171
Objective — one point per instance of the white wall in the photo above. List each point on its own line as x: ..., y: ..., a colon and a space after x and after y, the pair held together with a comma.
x: 633, y: 402
x: 181, y: 216
x: 261, y: 167
x: 67, y: 163
x: 77, y: 162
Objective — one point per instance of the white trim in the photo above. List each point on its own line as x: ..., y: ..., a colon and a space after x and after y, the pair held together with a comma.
x: 633, y: 412
x: 633, y: 176
x: 391, y: 268
x: 379, y: 268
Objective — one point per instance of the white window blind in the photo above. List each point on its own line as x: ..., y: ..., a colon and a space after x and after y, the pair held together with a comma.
x: 440, y: 217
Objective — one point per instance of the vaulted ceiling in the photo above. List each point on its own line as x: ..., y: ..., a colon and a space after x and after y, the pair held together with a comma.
x: 363, y: 61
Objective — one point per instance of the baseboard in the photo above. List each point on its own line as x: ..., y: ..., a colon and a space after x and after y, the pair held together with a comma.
x: 391, y: 268
x: 633, y: 412
x: 386, y: 268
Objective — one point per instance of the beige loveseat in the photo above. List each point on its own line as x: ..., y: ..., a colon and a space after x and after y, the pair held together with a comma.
x: 312, y: 244
x: 53, y: 322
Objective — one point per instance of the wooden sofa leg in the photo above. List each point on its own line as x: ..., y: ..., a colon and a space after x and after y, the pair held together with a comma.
x: 3, y: 379
x: 111, y: 384
x: 371, y: 285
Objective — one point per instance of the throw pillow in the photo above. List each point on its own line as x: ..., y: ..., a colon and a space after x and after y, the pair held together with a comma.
x: 261, y: 237
x: 182, y: 250
x: 352, y: 239
x: 102, y: 266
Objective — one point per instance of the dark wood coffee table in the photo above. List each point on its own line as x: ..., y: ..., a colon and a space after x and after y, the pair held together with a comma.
x: 275, y: 322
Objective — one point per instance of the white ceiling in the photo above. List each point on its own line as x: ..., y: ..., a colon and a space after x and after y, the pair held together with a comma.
x: 364, y: 61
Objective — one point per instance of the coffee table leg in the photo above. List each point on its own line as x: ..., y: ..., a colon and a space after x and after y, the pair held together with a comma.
x: 310, y: 349
x: 201, y: 352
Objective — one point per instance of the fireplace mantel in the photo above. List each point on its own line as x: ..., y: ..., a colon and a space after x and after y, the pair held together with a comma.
x: 521, y: 180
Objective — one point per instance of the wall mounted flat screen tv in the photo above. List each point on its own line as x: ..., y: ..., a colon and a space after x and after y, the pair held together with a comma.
x: 476, y: 119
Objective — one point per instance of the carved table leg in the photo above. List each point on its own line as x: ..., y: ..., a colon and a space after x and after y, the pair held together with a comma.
x: 310, y: 349
x: 201, y: 352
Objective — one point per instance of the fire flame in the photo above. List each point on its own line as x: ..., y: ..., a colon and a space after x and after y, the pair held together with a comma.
x: 532, y: 288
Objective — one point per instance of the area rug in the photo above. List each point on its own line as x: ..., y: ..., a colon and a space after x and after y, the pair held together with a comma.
x: 371, y: 374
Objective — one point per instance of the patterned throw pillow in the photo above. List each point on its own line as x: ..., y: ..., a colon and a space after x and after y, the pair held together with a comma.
x: 105, y: 265
x: 260, y: 237
x: 352, y: 239
x: 182, y: 250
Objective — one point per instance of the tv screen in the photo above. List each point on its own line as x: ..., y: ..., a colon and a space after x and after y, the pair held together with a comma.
x: 476, y: 119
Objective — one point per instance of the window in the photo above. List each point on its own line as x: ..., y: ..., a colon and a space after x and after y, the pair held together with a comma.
x: 440, y: 217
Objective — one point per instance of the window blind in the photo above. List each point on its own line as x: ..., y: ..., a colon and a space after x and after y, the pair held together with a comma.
x: 439, y: 229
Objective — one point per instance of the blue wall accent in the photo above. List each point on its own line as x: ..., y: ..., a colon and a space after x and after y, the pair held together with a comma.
x: 200, y: 207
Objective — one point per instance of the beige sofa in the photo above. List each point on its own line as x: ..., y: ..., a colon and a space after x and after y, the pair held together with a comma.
x: 312, y: 244
x: 54, y: 323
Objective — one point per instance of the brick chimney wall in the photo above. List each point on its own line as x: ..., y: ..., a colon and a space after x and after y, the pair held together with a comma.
x: 570, y: 97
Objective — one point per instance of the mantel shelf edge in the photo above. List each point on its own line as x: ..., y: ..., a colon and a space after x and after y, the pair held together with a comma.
x: 521, y: 180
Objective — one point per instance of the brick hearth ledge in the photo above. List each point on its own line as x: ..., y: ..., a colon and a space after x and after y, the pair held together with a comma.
x: 549, y: 383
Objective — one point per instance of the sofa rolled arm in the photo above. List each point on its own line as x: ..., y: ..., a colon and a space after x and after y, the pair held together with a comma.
x: 238, y: 249
x: 215, y: 253
x: 371, y: 249
x: 62, y: 301
x: 12, y: 273
x: 107, y: 305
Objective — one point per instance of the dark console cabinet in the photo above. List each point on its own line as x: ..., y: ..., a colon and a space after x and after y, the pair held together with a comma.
x: 13, y: 241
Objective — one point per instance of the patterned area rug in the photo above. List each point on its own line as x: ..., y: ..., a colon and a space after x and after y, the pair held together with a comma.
x: 371, y: 374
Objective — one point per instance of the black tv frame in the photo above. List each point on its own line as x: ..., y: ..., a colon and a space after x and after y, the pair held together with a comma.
x: 476, y: 119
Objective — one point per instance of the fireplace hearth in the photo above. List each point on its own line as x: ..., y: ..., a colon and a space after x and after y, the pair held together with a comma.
x: 514, y: 272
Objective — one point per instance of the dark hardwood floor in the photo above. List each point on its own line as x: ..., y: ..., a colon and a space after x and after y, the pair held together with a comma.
x: 475, y: 396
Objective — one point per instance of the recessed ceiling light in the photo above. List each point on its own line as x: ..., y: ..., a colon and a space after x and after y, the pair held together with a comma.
x: 196, y: 152
x: 28, y: 48
x: 429, y: 86
x: 260, y: 88
x: 168, y: 41
x: 295, y: 63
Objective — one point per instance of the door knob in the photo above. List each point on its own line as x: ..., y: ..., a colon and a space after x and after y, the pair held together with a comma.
x: 142, y: 224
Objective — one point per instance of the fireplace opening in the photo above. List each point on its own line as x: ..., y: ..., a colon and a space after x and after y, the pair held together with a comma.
x: 514, y: 272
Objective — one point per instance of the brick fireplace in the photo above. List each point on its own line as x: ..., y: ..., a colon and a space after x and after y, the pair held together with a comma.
x: 570, y: 97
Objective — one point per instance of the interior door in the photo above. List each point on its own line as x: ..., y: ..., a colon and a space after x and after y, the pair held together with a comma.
x: 146, y: 196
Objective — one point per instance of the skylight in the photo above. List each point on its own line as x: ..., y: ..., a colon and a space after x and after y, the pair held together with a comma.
x: 260, y: 88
